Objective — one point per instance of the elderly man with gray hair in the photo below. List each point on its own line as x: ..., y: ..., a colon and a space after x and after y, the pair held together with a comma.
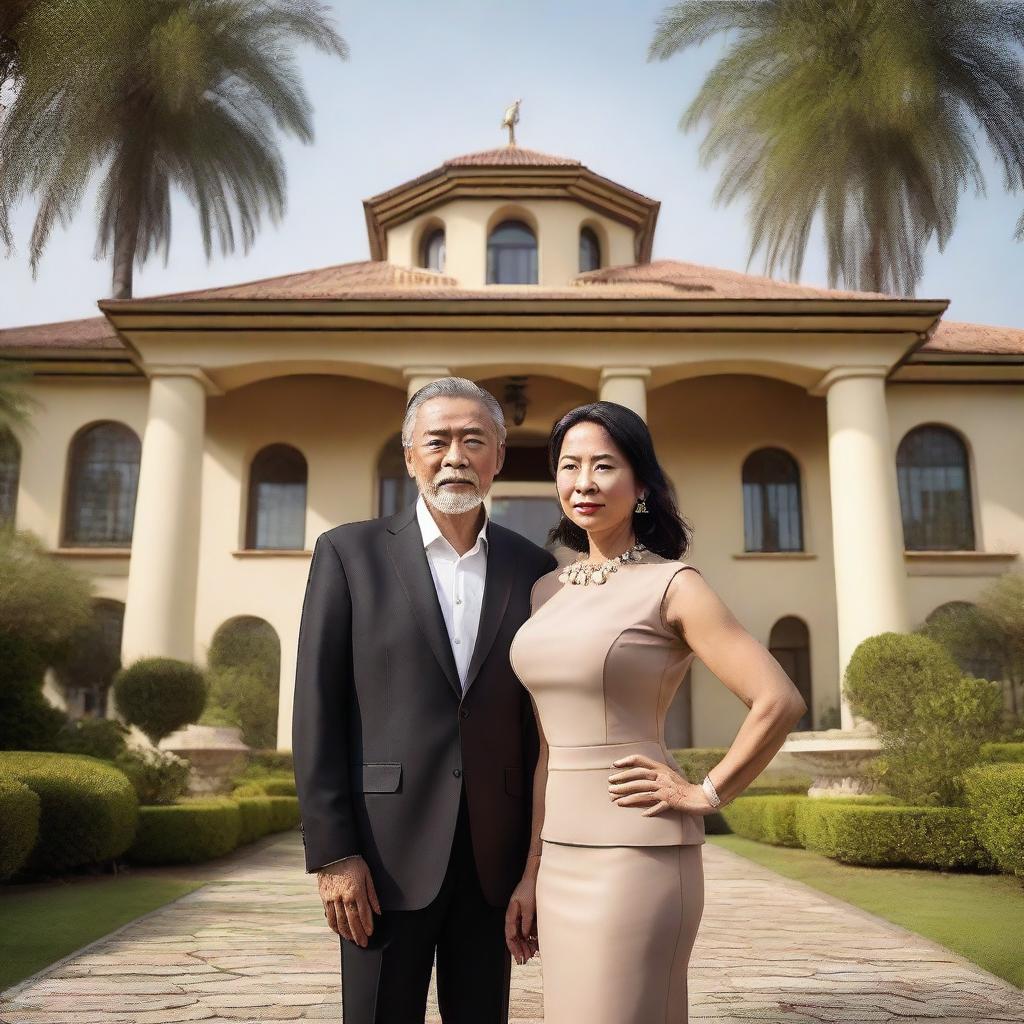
x: 414, y: 742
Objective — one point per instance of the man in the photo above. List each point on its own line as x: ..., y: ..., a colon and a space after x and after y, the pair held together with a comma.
x: 414, y: 742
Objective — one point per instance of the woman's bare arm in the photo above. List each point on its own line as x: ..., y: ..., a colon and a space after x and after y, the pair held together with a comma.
x: 747, y: 668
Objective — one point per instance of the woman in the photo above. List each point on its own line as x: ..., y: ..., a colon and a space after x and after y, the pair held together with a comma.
x: 615, y: 877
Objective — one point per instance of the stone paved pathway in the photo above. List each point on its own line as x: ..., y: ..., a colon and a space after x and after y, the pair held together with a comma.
x: 253, y: 946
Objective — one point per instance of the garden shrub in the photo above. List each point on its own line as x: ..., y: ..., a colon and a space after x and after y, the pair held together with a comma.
x: 272, y: 762
x: 695, y: 763
x: 98, y: 737
x: 995, y: 798
x: 1003, y: 753
x: 244, y: 668
x: 28, y: 721
x: 248, y: 789
x: 186, y: 833
x: 768, y: 819
x: 257, y: 817
x: 88, y: 809
x: 158, y: 776
x: 19, y: 813
x: 160, y: 695
x: 866, y: 831
x: 284, y: 813
x: 931, y: 719
x: 265, y: 785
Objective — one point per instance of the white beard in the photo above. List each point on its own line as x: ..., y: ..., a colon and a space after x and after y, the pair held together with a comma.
x: 447, y: 501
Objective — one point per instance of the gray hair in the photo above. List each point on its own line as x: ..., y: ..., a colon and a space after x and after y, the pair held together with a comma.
x: 452, y: 387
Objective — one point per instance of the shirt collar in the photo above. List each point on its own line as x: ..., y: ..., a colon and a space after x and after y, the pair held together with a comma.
x: 432, y: 532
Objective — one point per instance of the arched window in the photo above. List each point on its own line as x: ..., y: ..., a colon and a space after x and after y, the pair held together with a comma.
x: 512, y: 254
x: 10, y: 470
x: 590, y: 250
x: 277, y: 499
x: 93, y: 657
x: 244, y: 673
x: 935, y: 491
x: 103, y: 478
x: 789, y: 645
x: 395, y: 488
x: 432, y: 250
x: 771, y: 502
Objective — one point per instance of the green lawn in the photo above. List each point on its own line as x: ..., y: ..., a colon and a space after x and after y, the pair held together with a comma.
x: 39, y: 924
x: 981, y: 917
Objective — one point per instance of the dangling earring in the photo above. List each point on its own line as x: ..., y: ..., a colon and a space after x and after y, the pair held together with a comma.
x: 641, y: 505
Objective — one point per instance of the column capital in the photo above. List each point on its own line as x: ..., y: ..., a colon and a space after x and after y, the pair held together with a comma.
x: 196, y: 373
x: 844, y: 373
x: 619, y: 372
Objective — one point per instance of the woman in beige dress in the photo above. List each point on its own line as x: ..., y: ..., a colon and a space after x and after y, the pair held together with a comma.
x: 614, y: 889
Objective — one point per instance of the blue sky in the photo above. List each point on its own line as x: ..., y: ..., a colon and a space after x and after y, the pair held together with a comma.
x: 426, y: 81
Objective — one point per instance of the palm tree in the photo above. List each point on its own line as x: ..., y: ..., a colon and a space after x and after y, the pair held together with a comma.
x: 863, y: 113
x: 156, y: 94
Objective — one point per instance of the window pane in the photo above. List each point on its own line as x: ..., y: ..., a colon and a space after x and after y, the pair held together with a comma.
x: 771, y: 502
x: 434, y: 251
x: 10, y: 466
x: 512, y: 255
x: 531, y: 517
x: 935, y: 495
x: 590, y: 251
x: 104, y: 480
x: 277, y: 499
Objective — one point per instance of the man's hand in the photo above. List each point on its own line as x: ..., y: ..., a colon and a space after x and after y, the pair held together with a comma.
x: 348, y: 894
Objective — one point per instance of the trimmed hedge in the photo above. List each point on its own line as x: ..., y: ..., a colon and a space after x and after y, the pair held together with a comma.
x: 88, y: 809
x: 768, y: 819
x: 995, y: 797
x: 19, y: 812
x: 279, y: 785
x: 186, y: 833
x: 695, y: 763
x: 877, y: 834
x: 1003, y: 753
x: 284, y: 813
x: 256, y: 817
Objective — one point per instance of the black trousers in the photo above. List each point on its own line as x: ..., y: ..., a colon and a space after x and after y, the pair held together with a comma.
x: 388, y: 981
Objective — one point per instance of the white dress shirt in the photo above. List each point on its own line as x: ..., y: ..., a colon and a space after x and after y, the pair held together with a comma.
x: 459, y: 582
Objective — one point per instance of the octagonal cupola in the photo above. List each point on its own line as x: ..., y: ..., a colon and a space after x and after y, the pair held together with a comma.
x: 511, y: 216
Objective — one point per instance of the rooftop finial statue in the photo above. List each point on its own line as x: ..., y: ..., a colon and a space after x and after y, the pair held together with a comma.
x: 510, y: 121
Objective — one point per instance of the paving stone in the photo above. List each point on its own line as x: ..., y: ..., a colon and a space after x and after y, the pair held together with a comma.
x: 252, y: 945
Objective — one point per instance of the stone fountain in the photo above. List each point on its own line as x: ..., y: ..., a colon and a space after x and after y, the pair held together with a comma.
x: 215, y: 752
x: 835, y: 759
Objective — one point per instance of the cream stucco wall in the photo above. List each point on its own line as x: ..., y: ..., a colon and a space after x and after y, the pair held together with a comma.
x: 467, y: 223
x: 704, y: 429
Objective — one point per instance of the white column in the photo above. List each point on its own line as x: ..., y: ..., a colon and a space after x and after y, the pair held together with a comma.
x: 159, y: 615
x: 417, y: 377
x: 626, y: 385
x: 867, y: 533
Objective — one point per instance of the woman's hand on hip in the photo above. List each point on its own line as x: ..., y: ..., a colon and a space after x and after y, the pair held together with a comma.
x: 643, y: 782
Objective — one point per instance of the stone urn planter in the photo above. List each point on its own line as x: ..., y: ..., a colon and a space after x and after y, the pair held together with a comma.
x: 835, y: 759
x: 216, y: 752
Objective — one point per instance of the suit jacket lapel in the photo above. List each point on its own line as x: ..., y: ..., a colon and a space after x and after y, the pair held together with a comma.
x: 409, y: 559
x: 501, y: 570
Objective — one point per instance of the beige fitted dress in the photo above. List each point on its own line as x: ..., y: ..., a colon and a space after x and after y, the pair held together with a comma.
x: 619, y: 895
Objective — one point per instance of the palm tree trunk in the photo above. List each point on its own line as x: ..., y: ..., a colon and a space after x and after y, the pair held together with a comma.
x: 126, y: 239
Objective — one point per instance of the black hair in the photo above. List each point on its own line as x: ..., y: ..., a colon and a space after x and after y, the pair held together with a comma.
x: 662, y: 528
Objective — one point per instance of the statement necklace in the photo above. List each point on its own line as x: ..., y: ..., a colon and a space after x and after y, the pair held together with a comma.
x: 583, y: 573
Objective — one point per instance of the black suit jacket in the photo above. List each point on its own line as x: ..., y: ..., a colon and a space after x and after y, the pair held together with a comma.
x: 382, y: 736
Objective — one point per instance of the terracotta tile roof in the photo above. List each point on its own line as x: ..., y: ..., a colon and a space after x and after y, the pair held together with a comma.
x: 94, y: 333
x: 955, y: 336
x: 376, y: 280
x: 343, y: 281
x: 511, y: 156
x: 693, y: 280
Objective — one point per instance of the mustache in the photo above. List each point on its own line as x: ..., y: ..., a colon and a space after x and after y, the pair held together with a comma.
x: 463, y: 478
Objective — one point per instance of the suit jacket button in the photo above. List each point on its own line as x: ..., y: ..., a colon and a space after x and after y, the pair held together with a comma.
x: 457, y: 772
x: 464, y: 712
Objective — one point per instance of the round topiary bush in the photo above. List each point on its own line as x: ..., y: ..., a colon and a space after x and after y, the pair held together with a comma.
x: 186, y: 833
x: 932, y: 720
x: 19, y: 813
x: 160, y: 695
x: 88, y: 809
